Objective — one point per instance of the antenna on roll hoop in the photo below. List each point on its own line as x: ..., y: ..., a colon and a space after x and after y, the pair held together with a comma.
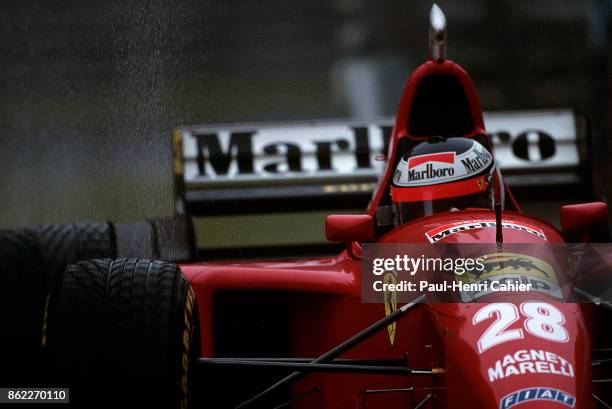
x: 498, y: 206
x: 437, y: 34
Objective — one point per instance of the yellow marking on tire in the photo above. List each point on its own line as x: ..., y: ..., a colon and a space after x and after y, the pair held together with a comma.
x: 186, y: 340
x: 44, y: 326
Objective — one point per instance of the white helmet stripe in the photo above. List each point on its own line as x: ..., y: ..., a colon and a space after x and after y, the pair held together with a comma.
x: 442, y: 167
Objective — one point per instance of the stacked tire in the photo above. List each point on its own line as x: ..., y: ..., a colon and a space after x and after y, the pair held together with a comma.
x: 117, y: 331
x: 30, y: 260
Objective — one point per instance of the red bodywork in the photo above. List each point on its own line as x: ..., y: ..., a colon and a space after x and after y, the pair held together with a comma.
x: 324, y: 309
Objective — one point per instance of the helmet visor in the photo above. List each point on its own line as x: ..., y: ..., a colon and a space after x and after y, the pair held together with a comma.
x: 407, y: 211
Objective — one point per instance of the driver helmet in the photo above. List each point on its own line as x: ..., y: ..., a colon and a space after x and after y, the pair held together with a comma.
x: 442, y: 174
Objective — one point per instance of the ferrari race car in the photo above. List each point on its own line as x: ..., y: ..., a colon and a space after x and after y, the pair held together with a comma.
x: 118, y: 328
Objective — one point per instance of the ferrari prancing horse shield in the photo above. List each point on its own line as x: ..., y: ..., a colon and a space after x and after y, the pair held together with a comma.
x: 390, y: 303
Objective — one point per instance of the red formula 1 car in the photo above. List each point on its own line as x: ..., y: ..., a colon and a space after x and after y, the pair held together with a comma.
x: 295, y: 333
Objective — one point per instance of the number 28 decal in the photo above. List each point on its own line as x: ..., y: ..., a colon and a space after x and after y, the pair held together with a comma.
x: 542, y: 320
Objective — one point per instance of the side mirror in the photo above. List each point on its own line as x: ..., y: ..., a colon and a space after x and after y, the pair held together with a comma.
x: 579, y: 219
x: 349, y: 227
